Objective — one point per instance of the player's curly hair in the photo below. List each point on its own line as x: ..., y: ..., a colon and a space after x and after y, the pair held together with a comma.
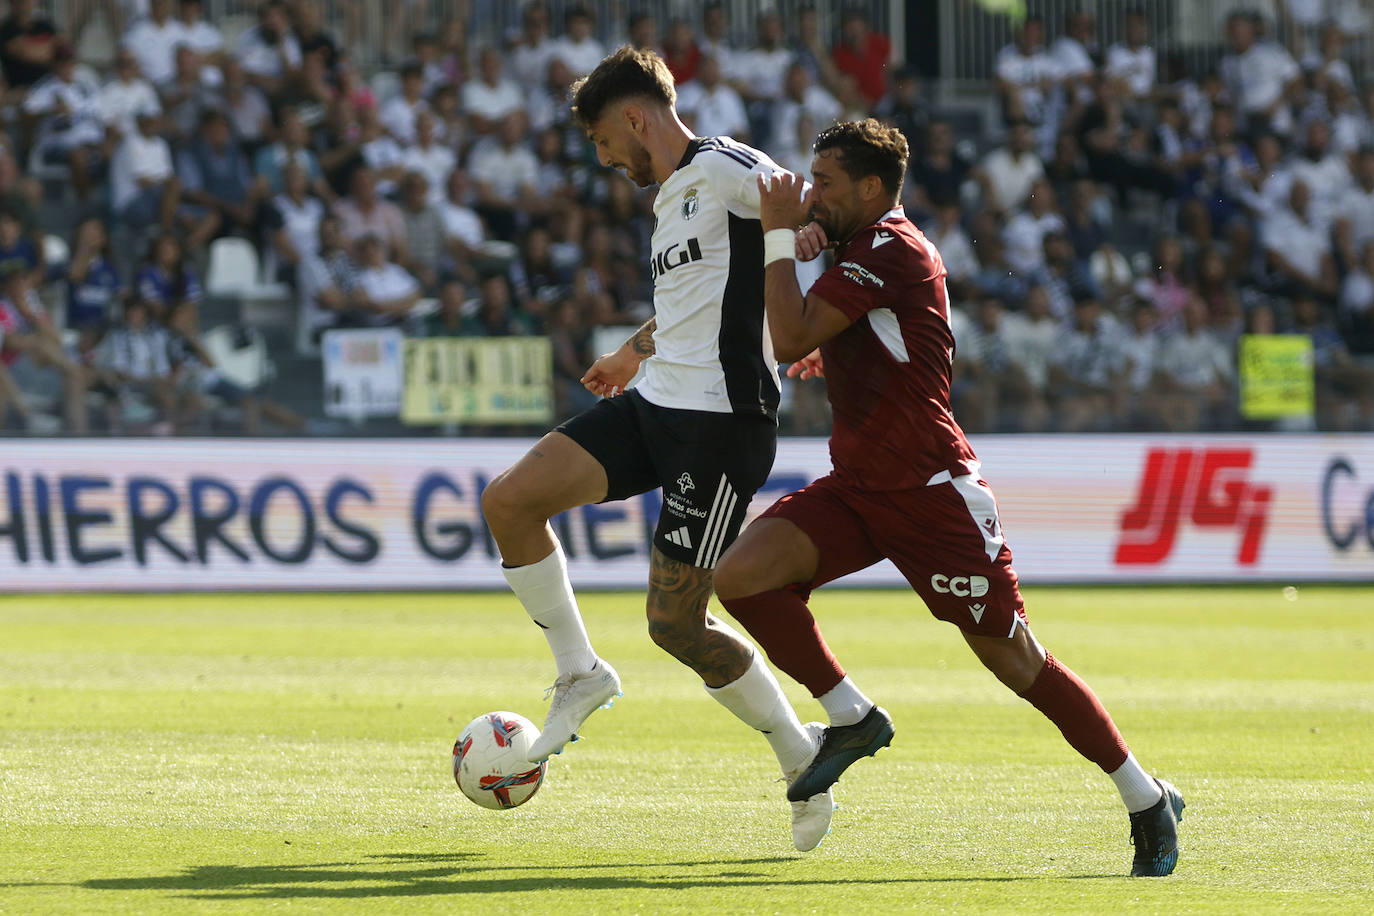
x: 627, y: 73
x: 867, y: 147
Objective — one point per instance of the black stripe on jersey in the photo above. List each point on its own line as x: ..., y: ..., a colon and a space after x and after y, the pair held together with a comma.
x: 748, y: 379
x: 736, y: 151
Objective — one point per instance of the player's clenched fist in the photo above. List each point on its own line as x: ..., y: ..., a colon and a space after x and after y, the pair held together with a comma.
x: 784, y: 201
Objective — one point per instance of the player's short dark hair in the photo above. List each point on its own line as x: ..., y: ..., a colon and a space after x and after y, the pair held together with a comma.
x: 627, y: 73
x: 868, y: 148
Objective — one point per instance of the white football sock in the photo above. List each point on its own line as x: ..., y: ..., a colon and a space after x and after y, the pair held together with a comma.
x: 1137, y: 789
x: 543, y: 588
x: 845, y: 703
x: 757, y: 700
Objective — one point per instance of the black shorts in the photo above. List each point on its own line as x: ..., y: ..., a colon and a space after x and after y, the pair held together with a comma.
x: 708, y: 464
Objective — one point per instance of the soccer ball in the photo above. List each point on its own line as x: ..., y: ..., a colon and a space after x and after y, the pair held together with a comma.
x: 490, y: 763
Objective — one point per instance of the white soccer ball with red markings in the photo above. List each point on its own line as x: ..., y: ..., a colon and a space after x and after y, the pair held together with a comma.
x: 490, y: 762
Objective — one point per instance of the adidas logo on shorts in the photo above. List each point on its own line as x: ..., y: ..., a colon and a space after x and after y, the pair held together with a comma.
x: 680, y: 537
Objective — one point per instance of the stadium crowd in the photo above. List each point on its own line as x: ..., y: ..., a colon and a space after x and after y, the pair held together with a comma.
x: 1108, y: 241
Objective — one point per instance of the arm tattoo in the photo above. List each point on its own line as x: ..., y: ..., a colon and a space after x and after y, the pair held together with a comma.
x: 642, y: 343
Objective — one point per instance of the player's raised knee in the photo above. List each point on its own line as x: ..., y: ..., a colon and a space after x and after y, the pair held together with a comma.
x: 503, y: 500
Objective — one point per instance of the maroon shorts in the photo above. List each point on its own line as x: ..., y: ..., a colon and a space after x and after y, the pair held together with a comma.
x: 946, y: 539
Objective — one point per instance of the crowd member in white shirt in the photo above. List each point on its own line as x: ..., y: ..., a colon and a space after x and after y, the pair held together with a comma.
x: 1132, y: 62
x: 1197, y: 373
x: 429, y: 157
x: 143, y: 185
x: 299, y: 214
x: 1033, y: 335
x: 464, y: 233
x: 202, y: 37
x: 1299, y: 246
x: 947, y: 234
x: 800, y: 97
x: 269, y: 51
x: 1261, y: 76
x: 386, y: 291
x: 529, y: 57
x: 1007, y: 173
x: 1086, y: 369
x: 761, y: 70
x: 1354, y: 214
x: 505, y: 173
x: 710, y: 107
x: 578, y: 48
x: 1024, y: 235
x: 1074, y: 53
x: 1140, y: 348
x: 399, y: 112
x: 715, y: 38
x: 66, y: 109
x: 489, y: 98
x: 125, y: 93
x: 1265, y: 188
x: 380, y: 152
x: 1026, y: 75
x: 154, y: 41
x: 1325, y: 171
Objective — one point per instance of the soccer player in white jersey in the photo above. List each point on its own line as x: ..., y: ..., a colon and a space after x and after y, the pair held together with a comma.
x: 702, y: 425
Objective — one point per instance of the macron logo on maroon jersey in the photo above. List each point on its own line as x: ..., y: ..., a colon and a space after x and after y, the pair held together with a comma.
x: 1205, y: 486
x: 882, y: 238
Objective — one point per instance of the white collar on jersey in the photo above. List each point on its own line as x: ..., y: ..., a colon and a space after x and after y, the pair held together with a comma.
x: 897, y: 212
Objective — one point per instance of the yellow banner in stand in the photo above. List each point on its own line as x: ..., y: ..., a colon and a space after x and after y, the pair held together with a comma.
x: 1276, y: 376
x: 478, y: 380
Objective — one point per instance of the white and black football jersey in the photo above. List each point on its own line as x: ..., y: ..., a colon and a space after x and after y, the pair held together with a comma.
x: 711, y: 349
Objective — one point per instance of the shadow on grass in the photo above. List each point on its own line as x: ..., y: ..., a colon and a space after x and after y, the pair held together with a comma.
x: 420, y: 875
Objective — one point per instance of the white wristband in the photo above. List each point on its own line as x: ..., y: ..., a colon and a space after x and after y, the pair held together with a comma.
x: 778, y: 245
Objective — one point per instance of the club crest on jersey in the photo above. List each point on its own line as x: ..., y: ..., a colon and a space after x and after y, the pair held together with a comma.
x: 690, y: 203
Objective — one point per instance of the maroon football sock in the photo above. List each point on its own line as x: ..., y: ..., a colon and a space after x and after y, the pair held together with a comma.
x: 781, y: 623
x: 1074, y: 708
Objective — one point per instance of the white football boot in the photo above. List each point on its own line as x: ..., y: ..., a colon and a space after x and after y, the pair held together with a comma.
x: 575, y: 697
x: 811, y: 818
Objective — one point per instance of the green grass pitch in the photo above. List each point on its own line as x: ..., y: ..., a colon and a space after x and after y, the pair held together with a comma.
x: 239, y: 753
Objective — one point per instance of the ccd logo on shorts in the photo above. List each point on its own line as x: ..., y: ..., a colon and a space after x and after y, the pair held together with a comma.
x: 960, y: 586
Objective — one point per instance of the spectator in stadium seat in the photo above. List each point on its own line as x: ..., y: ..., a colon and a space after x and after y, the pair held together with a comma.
x: 326, y: 280
x: 641, y: 30
x: 27, y: 39
x: 1075, y: 54
x: 386, y: 292
x: 398, y: 114
x: 496, y: 315
x: 537, y: 275
x: 271, y: 162
x: 1197, y: 374
x: 715, y: 37
x: 810, y: 49
x: 1357, y: 305
x: 216, y: 179
x: 1025, y: 232
x: 863, y: 54
x: 938, y: 175
x: 1354, y: 215
x: 1033, y: 335
x: 27, y: 332
x: 1131, y: 63
x: 1007, y: 173
x: 269, y: 51
x: 1086, y: 370
x: 1064, y: 279
x: 200, y: 36
x: 166, y: 278
x: 800, y: 97
x: 144, y: 190
x: 1345, y: 387
x: 424, y: 233
x: 578, y: 48
x: 65, y: 106
x: 1140, y: 348
x: 490, y: 98
x: 365, y: 212
x: 1166, y: 287
x: 154, y: 40
x: 1026, y: 75
x: 1299, y: 246
x: 94, y: 287
x: 995, y: 276
x: 710, y: 106
x: 1325, y: 171
x: 463, y: 231
x: 530, y: 51
x: 430, y: 158
x: 571, y: 341
x: 1261, y: 76
x: 504, y: 172
x: 454, y: 307
x: 125, y: 93
x: 294, y: 217
x: 904, y: 108
x: 133, y: 356
x: 761, y: 72
x: 245, y: 105
x: 946, y: 232
x: 681, y: 52
x: 307, y: 22
x: 455, y: 55
x: 187, y: 95
x: 996, y: 387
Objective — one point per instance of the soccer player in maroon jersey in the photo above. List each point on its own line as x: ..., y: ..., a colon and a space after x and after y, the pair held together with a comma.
x: 905, y: 483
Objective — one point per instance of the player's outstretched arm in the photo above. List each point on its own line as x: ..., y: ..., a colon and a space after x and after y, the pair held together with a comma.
x: 609, y: 375
x: 796, y: 323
